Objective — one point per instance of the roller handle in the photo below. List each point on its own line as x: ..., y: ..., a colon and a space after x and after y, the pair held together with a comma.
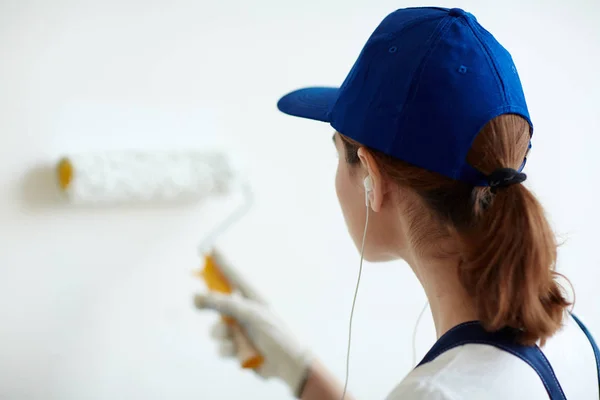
x: 248, y: 355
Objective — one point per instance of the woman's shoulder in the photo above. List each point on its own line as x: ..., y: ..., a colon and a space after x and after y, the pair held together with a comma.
x: 481, y: 371
x: 471, y: 371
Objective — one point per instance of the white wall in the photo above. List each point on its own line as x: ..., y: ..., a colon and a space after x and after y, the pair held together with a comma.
x: 96, y: 303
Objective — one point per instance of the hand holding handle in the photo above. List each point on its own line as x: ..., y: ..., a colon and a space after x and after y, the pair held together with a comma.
x: 216, y: 281
x: 249, y: 328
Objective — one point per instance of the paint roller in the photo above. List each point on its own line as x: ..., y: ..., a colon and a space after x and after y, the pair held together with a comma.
x: 108, y: 178
x: 135, y: 176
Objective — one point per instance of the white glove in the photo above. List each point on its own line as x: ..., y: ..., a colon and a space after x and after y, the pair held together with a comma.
x: 284, y: 357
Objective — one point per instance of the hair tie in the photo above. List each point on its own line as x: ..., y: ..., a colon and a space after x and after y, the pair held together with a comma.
x: 503, y: 177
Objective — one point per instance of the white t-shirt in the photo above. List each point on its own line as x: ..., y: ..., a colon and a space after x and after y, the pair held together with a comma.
x: 482, y: 372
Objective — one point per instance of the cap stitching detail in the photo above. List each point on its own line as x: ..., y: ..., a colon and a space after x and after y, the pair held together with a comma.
x: 442, y: 28
x: 382, y: 36
x: 488, y: 54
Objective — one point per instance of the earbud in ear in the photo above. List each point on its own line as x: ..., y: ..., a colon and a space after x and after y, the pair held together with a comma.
x: 368, y: 182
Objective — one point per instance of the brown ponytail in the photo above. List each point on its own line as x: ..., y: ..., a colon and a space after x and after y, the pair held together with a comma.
x: 508, y: 248
x: 511, y: 247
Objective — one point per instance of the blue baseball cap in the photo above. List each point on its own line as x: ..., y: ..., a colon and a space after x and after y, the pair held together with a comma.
x: 426, y: 82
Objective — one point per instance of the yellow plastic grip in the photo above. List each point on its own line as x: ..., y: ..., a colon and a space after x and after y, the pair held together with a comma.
x: 217, y: 282
x: 64, y: 172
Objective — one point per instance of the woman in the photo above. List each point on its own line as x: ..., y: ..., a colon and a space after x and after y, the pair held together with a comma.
x: 433, y: 128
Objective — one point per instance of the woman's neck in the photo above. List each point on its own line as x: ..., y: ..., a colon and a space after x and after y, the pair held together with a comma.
x: 450, y: 303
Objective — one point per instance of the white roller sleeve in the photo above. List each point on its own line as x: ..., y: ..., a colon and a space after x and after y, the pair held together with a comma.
x: 130, y: 176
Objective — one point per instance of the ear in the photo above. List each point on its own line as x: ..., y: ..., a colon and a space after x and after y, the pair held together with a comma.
x: 370, y: 167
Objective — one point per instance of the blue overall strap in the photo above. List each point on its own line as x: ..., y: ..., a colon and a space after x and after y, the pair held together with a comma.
x: 592, y: 342
x: 505, y: 339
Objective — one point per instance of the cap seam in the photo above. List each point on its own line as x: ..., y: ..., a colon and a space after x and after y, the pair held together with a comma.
x: 409, y: 24
x: 384, y: 36
x: 442, y: 28
x: 487, y: 51
x: 392, y: 37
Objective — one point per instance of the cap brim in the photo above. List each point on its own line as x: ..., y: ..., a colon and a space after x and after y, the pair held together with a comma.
x: 312, y: 103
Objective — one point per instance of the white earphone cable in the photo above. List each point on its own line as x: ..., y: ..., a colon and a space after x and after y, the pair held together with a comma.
x: 362, y: 251
x: 414, y: 338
